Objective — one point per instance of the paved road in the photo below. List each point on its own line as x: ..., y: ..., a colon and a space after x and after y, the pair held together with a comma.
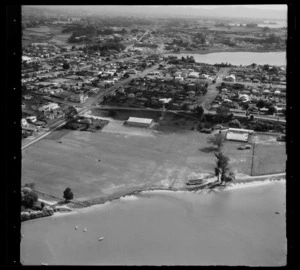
x: 212, y: 90
x: 126, y: 49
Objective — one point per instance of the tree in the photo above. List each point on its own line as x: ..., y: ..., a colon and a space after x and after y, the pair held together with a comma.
x: 71, y: 113
x: 235, y: 123
x: 217, y: 140
x: 261, y: 104
x: 68, y: 194
x: 200, y: 112
x: 66, y: 65
x: 223, y: 168
x: 272, y: 110
x: 223, y: 110
x: 29, y: 198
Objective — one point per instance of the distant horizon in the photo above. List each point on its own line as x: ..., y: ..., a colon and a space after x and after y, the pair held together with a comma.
x: 278, y: 12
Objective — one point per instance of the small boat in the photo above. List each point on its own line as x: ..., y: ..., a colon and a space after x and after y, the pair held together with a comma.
x: 84, y: 229
x: 22, y: 235
x: 76, y: 227
x: 101, y: 238
x: 44, y: 263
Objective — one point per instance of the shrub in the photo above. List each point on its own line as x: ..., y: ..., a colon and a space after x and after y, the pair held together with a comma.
x: 25, y: 216
x: 235, y: 124
x: 30, y: 185
x: 26, y: 190
x: 48, y: 211
x: 42, y: 205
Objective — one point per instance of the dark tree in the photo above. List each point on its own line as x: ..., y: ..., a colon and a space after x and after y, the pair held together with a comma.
x: 29, y: 199
x: 66, y: 65
x: 200, y: 112
x: 223, y: 168
x: 68, y: 194
x: 272, y: 110
x: 71, y: 113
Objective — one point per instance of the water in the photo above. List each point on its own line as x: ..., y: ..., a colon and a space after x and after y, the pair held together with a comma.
x: 239, y: 58
x: 279, y: 24
x: 233, y: 227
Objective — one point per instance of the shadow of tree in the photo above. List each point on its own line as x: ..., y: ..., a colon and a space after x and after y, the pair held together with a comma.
x: 208, y: 149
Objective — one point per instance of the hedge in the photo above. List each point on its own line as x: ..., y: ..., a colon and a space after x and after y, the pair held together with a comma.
x: 47, y: 211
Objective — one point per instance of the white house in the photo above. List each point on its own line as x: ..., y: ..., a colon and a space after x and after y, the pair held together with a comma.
x: 230, y: 78
x: 194, y: 75
x: 24, y: 122
x: 48, y: 107
x: 31, y: 118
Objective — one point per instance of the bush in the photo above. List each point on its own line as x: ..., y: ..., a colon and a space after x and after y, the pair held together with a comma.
x: 25, y: 216
x: 235, y: 124
x: 42, y: 205
x: 48, y: 211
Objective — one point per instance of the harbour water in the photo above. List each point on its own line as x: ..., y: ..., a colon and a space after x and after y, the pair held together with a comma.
x: 239, y: 58
x: 238, y: 226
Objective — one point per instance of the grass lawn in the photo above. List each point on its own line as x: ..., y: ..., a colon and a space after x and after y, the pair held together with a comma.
x: 103, y: 164
x: 269, y: 158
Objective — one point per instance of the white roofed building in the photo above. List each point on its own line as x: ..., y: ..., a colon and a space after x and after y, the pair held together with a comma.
x: 139, y: 122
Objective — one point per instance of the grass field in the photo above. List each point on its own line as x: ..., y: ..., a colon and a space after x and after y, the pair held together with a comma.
x: 269, y: 158
x: 103, y: 164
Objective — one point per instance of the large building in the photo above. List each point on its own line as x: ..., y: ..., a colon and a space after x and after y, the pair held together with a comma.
x: 238, y: 134
x: 139, y: 122
x: 48, y: 107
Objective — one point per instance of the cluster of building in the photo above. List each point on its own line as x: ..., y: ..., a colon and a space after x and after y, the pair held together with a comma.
x: 243, y: 98
x: 160, y: 87
x: 259, y: 74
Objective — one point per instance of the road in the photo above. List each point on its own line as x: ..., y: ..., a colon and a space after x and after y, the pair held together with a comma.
x: 137, y: 41
x: 212, y: 90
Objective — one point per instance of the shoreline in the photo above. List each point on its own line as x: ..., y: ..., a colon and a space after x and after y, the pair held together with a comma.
x: 209, y: 51
x: 240, y: 183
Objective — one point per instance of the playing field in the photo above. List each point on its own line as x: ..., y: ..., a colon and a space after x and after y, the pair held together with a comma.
x: 101, y: 164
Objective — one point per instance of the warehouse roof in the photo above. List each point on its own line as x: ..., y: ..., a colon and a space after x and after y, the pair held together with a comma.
x: 140, y: 120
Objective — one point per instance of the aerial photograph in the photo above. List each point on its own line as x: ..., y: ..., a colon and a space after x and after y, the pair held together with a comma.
x: 153, y: 135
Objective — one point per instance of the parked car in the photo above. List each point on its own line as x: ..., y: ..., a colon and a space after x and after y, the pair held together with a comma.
x: 244, y: 147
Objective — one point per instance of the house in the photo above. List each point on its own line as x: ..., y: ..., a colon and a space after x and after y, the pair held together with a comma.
x: 81, y: 98
x: 31, y: 119
x: 178, y: 78
x: 230, y: 78
x: 138, y: 122
x: 193, y: 75
x: 48, y: 107
x: 24, y: 122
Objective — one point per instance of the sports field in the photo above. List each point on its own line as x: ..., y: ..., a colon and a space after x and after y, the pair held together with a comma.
x: 115, y: 161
